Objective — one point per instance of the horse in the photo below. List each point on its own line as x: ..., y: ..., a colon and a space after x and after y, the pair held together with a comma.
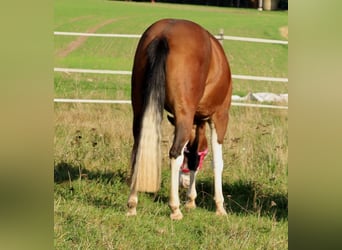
x: 181, y: 68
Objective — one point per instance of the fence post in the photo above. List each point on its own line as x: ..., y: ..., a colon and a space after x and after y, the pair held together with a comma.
x: 221, y: 36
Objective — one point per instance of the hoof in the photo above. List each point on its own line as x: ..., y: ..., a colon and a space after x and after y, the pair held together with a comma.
x: 131, y: 212
x: 221, y: 211
x: 176, y: 215
x: 190, y: 205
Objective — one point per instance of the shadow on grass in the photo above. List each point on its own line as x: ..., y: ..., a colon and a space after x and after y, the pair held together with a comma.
x: 68, y: 172
x: 96, y: 188
x: 241, y: 197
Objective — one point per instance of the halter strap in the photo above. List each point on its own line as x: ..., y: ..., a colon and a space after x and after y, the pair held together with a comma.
x: 202, y: 156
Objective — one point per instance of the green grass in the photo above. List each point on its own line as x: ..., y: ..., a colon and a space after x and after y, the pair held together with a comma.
x: 96, y: 86
x: 92, y: 143
x: 117, y: 87
x: 92, y: 151
x: 133, y: 18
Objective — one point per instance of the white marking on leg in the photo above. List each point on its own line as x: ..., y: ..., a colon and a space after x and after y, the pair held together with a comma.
x: 174, y: 203
x: 132, y: 203
x: 192, y: 193
x: 184, y: 179
x: 218, y: 168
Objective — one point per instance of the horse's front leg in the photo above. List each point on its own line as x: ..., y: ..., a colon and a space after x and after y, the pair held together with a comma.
x: 192, y: 193
x: 196, y: 153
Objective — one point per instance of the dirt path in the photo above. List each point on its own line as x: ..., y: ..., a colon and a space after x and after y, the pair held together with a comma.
x: 79, y: 18
x: 81, y: 39
x: 284, y: 31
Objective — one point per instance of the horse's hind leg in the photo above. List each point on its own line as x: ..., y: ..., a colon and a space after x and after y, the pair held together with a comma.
x: 133, y: 196
x: 192, y: 193
x: 183, y: 128
x: 132, y: 203
x: 218, y: 128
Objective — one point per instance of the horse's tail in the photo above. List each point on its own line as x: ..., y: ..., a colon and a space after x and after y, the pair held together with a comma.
x: 147, y: 166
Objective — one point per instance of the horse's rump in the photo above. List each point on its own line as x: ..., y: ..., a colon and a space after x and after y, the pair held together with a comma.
x: 180, y: 67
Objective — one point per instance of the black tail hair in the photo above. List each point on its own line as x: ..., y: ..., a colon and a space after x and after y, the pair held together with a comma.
x: 155, y: 75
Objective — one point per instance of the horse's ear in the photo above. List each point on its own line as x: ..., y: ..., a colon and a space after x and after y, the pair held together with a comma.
x: 171, y: 119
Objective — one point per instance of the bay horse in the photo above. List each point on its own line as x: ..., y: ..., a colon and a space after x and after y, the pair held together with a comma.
x: 180, y: 67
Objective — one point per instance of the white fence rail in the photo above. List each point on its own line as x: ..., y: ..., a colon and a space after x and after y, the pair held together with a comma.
x: 123, y: 72
x: 64, y: 100
x: 220, y: 37
x: 93, y: 71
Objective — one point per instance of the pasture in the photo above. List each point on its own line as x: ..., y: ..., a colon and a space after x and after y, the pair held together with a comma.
x: 92, y: 143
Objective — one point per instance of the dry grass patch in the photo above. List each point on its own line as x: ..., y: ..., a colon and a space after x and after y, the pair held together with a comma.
x: 284, y: 32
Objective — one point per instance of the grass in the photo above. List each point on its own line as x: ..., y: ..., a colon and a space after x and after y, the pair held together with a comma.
x: 93, y: 142
x: 92, y: 150
x: 92, y: 86
x: 117, y: 87
x: 133, y: 18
